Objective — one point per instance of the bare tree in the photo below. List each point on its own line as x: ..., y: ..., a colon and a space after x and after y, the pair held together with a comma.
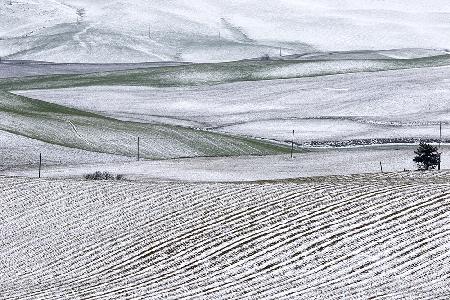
x: 81, y: 13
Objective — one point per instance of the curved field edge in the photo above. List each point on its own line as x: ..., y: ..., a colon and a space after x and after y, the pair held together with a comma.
x: 338, y: 237
x: 82, y: 130
x: 208, y: 73
x: 74, y: 128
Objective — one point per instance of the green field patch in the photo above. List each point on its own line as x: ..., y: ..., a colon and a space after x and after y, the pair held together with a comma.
x: 74, y: 128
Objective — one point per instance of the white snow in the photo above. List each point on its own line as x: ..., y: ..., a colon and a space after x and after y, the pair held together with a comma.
x: 138, y: 30
x: 10, y: 69
x: 390, y: 104
x: 325, y: 238
x: 322, y: 162
x: 21, y: 153
x: 201, y: 227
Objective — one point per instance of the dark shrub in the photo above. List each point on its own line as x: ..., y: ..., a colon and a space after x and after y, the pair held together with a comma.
x: 427, y: 157
x: 103, y: 176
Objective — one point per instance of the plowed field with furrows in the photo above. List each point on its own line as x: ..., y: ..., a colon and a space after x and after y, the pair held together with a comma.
x: 349, y: 237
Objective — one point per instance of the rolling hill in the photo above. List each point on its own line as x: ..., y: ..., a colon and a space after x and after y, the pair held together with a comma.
x: 358, y: 237
x: 68, y: 127
x: 216, y: 208
x: 212, y: 30
x: 338, y: 102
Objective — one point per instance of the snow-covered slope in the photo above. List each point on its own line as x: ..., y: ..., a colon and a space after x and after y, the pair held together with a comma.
x: 80, y: 130
x: 395, y: 105
x: 213, y: 30
x: 354, y: 237
x: 21, y: 153
x: 342, y: 161
x: 22, y: 68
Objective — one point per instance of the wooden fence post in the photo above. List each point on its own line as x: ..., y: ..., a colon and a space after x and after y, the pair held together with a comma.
x: 138, y: 149
x: 292, y: 147
x: 40, y: 164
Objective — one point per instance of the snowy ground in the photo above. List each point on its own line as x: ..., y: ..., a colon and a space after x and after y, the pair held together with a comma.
x: 358, y: 237
x: 86, y: 131
x: 32, y: 68
x: 213, y: 30
x: 389, y: 104
x: 22, y: 153
x: 250, y: 168
x: 208, y: 220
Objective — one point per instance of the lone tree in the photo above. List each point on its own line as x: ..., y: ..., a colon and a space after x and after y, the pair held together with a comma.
x: 427, y: 157
x: 81, y: 12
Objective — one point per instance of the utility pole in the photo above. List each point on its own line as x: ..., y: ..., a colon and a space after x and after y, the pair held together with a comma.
x: 280, y: 52
x: 292, y: 147
x: 40, y: 164
x: 138, y: 150
x: 381, y: 167
x: 440, y: 141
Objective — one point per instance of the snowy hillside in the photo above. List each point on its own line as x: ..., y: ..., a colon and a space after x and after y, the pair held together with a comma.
x: 353, y: 237
x: 213, y: 30
x: 321, y: 109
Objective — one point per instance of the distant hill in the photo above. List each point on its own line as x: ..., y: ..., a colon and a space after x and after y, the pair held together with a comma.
x: 213, y: 30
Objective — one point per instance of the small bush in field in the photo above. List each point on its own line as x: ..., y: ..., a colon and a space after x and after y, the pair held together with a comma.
x: 103, y: 176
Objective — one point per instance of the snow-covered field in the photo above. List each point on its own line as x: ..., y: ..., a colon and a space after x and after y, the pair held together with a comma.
x: 213, y: 30
x: 216, y: 207
x: 178, y: 114
x: 81, y: 130
x: 12, y: 68
x: 353, y: 237
x: 323, y: 162
x: 396, y: 104
x: 22, y: 153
